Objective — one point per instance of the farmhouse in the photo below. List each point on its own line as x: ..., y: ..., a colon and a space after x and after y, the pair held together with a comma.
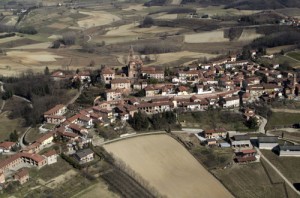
x: 289, y: 151
x: 54, y: 115
x: 267, y: 142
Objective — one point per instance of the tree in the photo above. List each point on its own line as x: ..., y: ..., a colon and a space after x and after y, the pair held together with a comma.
x: 13, y: 137
x: 251, y: 123
x: 69, y: 38
x: 147, y: 22
x: 46, y: 71
x: 55, y: 44
x: 92, y: 63
x: 139, y: 121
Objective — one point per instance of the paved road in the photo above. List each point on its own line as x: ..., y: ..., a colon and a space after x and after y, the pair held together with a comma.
x: 278, y: 171
x: 21, y: 139
x: 286, y: 110
x: 2, y: 106
x: 262, y: 125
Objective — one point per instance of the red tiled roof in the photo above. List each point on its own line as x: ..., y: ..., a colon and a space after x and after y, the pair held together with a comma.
x: 7, y: 145
x: 54, y: 109
x: 50, y: 153
x: 221, y: 130
x: 22, y: 173
x: 120, y: 80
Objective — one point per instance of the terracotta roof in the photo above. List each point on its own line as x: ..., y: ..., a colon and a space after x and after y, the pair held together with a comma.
x: 7, y: 145
x: 119, y: 80
x: 75, y: 127
x: 50, y: 153
x: 54, y: 109
x: 248, y: 151
x: 22, y: 173
x: 35, y: 157
x: 45, y: 137
x: 246, y: 159
x: 221, y: 130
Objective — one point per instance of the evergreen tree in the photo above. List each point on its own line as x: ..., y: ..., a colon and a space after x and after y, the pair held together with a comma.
x: 13, y: 137
x: 46, y: 71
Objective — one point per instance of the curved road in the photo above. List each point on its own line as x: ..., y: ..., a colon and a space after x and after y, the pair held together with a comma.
x: 21, y: 139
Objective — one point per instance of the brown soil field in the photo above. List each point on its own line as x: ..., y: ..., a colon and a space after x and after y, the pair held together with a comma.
x: 206, y: 37
x: 167, y: 166
x: 32, y: 57
x: 44, y: 45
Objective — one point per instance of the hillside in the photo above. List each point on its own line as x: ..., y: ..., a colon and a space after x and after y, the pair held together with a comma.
x: 248, y: 4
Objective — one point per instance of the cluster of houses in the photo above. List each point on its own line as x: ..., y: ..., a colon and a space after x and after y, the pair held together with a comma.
x: 225, y: 83
x: 243, y: 145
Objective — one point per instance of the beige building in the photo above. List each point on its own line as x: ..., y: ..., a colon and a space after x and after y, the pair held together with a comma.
x: 120, y: 83
x: 107, y: 75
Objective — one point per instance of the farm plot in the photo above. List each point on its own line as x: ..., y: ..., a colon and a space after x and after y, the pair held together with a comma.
x: 173, y: 56
x: 295, y: 55
x: 96, y: 18
x: 249, y: 35
x: 167, y: 166
x: 206, y: 37
x: 33, y: 57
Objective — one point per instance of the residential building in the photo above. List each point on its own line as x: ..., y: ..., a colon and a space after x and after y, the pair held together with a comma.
x: 120, y: 83
x: 215, y: 133
x: 51, y: 157
x: 22, y: 176
x: 84, y: 156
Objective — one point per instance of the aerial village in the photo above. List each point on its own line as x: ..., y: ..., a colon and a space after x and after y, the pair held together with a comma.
x: 227, y: 83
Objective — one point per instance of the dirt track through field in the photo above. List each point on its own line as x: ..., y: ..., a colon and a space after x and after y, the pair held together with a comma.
x: 167, y: 166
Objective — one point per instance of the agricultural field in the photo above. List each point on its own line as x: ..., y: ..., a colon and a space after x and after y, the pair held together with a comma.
x: 276, y: 119
x: 251, y: 180
x: 167, y: 166
x: 295, y: 55
x: 289, y: 166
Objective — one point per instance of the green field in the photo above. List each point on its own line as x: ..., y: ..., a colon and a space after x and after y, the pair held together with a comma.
x: 294, y: 55
x: 214, y: 119
x: 289, y: 166
x: 9, y: 125
x: 281, y: 119
x: 249, y: 180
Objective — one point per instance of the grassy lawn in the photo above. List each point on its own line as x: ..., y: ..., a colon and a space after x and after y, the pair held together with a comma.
x: 51, y: 171
x: 204, y: 120
x: 8, y: 125
x: 32, y: 135
x: 282, y: 119
x: 213, y: 157
x: 249, y: 180
x: 295, y: 55
x: 289, y: 166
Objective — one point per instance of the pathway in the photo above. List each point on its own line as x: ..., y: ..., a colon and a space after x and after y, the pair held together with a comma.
x: 278, y: 172
x: 76, y: 96
x: 21, y: 140
x: 262, y: 125
x: 286, y: 110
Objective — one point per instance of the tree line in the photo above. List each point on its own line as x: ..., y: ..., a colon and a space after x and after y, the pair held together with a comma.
x: 40, y: 90
x: 160, y: 121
